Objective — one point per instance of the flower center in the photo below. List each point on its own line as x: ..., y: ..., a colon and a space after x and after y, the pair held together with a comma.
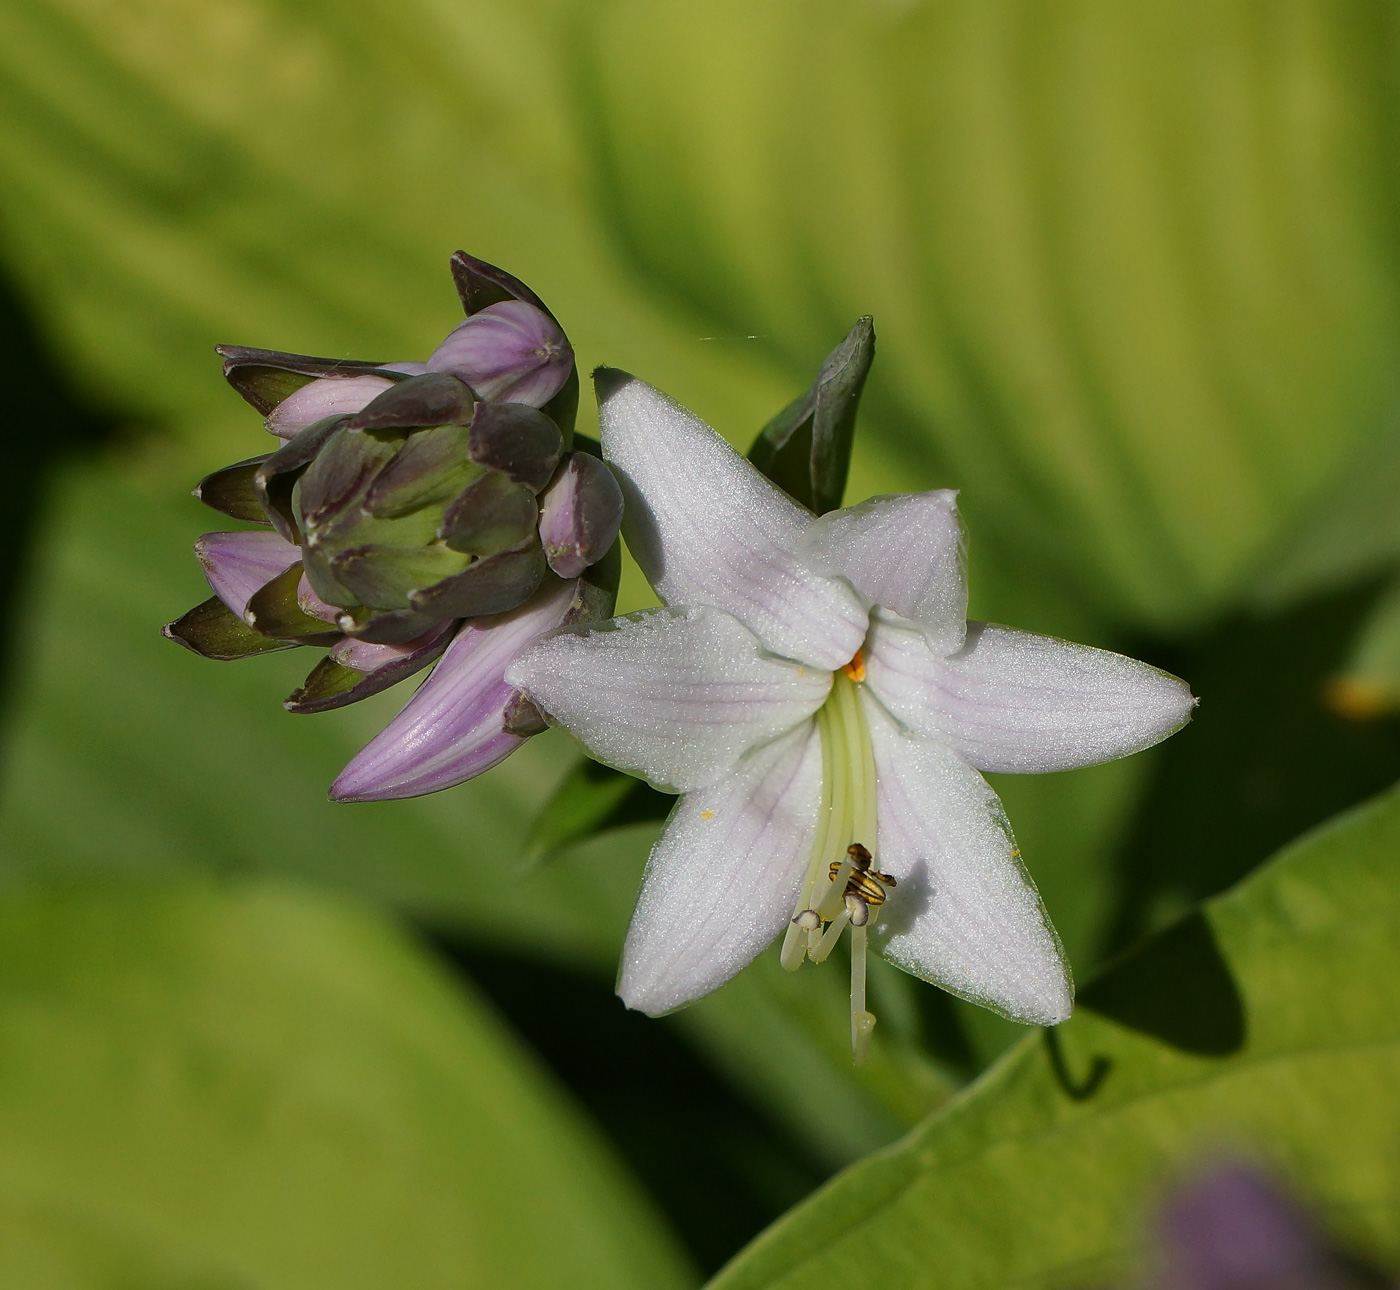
x: 840, y: 885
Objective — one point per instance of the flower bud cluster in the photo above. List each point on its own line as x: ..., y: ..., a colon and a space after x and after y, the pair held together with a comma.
x: 406, y: 499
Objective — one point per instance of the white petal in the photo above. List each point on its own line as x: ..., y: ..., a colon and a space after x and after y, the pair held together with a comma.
x: 723, y: 877
x: 677, y: 695
x: 965, y: 914
x: 707, y: 528
x: 905, y: 552
x: 1015, y: 701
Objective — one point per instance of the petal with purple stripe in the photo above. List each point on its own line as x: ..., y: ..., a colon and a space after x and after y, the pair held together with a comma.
x: 453, y: 727
x: 965, y: 914
x: 1013, y: 701
x: 723, y: 876
x: 677, y: 695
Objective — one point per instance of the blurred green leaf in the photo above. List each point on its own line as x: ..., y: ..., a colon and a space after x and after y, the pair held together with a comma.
x: 1369, y: 684
x: 1349, y: 534
x: 250, y: 1085
x: 1271, y: 1024
x: 267, y: 172
x: 1133, y: 267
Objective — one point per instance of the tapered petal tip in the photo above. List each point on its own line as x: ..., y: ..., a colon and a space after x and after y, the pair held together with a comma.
x: 607, y: 381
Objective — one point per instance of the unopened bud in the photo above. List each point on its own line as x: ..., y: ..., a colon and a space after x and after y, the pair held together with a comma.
x: 508, y: 352
x: 580, y: 513
x: 327, y: 396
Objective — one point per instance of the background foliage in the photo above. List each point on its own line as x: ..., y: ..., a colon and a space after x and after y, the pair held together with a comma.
x: 1134, y: 276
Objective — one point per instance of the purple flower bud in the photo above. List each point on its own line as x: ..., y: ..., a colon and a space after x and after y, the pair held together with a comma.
x: 355, y: 669
x: 402, y: 499
x: 580, y: 513
x: 275, y: 609
x: 509, y: 352
x: 328, y: 396
x: 230, y: 491
x: 238, y: 564
x: 524, y: 445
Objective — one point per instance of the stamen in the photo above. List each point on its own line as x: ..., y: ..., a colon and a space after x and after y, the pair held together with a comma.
x: 841, y: 884
x: 862, y: 1021
x: 823, y: 947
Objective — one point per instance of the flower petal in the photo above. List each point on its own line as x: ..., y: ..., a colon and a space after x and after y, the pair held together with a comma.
x: 1015, y: 701
x: 965, y: 915
x: 238, y: 564
x: 327, y: 396
x: 723, y: 877
x: 507, y: 352
x: 905, y: 552
x: 676, y: 695
x: 454, y: 726
x: 707, y: 528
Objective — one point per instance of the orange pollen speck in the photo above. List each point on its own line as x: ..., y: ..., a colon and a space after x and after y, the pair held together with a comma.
x: 855, y: 669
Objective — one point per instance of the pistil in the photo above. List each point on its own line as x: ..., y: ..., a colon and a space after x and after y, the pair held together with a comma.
x: 839, y: 885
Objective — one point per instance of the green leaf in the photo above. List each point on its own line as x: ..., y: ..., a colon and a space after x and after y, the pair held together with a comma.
x: 1133, y: 267
x: 178, y: 182
x: 806, y: 448
x: 592, y: 798
x: 1270, y: 1024
x: 251, y: 1085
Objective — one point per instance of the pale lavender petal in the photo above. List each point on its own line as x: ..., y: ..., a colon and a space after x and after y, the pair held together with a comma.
x: 580, y: 513
x: 724, y: 875
x: 312, y: 604
x: 509, y: 352
x: 238, y: 564
x: 452, y: 728
x: 903, y: 552
x: 708, y: 529
x: 327, y: 396
x: 1015, y: 701
x: 676, y: 695
x: 965, y: 914
x: 365, y: 656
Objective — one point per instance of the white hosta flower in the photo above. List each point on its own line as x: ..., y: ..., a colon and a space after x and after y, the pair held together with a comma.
x: 814, y: 692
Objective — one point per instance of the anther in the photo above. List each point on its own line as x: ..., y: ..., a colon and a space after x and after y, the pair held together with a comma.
x: 857, y: 909
x: 808, y: 920
x: 855, y: 669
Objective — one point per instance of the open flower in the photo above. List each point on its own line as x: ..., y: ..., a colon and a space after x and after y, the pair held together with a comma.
x: 814, y: 692
x: 414, y: 514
